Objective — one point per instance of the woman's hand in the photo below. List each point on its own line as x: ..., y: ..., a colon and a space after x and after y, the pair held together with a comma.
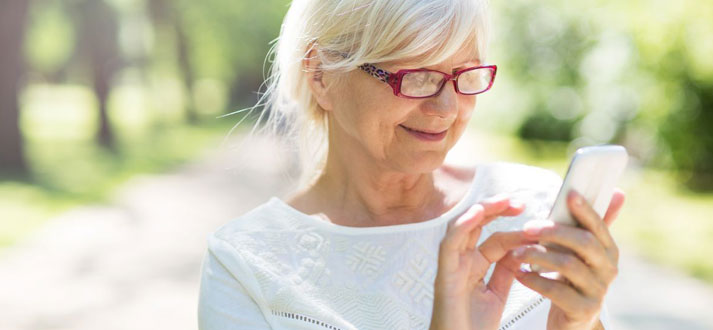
x: 462, y: 300
x: 585, y: 271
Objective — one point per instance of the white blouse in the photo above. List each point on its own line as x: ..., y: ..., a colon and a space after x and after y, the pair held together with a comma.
x: 278, y: 268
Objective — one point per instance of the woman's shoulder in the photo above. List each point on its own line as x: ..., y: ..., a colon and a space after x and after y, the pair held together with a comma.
x: 467, y: 171
x: 459, y: 172
x: 503, y: 173
x: 519, y: 173
x: 268, y: 216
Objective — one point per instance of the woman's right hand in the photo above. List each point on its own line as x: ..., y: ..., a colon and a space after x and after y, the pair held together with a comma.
x: 461, y: 298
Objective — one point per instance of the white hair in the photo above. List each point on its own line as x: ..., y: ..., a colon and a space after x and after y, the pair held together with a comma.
x: 423, y: 32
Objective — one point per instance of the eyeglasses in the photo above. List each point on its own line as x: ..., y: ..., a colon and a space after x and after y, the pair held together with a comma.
x: 423, y: 83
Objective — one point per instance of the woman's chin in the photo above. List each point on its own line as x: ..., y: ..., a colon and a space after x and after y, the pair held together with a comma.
x: 426, y: 163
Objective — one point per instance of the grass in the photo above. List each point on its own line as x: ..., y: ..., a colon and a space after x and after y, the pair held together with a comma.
x: 66, y: 174
x: 661, y: 221
x: 69, y: 169
x: 668, y: 224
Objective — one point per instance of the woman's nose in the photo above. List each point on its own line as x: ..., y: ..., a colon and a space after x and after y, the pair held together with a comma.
x: 444, y: 104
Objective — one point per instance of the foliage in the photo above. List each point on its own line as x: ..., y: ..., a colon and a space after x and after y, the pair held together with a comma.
x: 231, y: 40
x: 636, y: 73
x: 50, y: 37
x: 675, y: 50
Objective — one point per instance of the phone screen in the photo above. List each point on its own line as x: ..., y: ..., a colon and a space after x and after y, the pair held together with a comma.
x: 593, y: 172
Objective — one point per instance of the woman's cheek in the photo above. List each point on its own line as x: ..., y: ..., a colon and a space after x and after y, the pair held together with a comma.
x: 467, y: 106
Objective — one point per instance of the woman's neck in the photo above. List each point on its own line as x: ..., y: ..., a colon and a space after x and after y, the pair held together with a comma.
x: 367, y: 199
x: 360, y: 194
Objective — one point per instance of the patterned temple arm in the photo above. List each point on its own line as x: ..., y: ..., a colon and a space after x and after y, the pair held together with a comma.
x: 376, y: 72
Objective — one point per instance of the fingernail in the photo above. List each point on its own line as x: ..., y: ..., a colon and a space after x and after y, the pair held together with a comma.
x: 525, y: 268
x: 517, y: 253
x: 535, y: 227
x: 534, y: 231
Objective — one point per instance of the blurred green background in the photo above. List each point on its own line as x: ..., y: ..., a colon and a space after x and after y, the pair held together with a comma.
x: 93, y: 92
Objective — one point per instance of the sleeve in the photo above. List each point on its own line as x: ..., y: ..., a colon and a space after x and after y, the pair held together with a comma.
x: 224, y: 302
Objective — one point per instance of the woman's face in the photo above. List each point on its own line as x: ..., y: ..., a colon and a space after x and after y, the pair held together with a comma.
x: 366, y: 117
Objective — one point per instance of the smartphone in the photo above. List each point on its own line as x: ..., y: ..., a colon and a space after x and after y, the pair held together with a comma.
x: 593, y: 172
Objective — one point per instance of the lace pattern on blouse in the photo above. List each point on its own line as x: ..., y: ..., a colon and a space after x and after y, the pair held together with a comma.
x: 375, y: 281
x: 296, y: 316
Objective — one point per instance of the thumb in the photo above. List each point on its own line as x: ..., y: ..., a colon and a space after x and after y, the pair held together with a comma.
x: 617, y: 201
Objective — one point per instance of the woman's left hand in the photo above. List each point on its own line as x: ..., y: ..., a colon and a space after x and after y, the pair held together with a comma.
x: 585, y: 272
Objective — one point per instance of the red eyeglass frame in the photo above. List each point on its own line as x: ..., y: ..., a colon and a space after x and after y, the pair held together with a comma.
x: 394, y: 79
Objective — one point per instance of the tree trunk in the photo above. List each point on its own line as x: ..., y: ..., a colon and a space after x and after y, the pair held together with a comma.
x: 184, y: 62
x: 13, y: 16
x: 99, y: 35
x: 164, y: 13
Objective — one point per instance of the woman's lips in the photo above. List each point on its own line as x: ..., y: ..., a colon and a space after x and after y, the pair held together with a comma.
x: 426, y: 136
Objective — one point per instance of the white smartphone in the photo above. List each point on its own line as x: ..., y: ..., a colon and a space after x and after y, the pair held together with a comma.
x: 593, y: 172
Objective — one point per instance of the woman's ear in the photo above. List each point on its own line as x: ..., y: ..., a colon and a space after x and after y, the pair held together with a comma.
x: 316, y: 78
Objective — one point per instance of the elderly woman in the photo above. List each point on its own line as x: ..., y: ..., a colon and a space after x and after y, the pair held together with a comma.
x: 381, y: 234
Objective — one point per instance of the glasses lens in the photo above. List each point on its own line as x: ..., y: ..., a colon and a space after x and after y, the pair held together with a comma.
x: 475, y: 81
x: 421, y: 83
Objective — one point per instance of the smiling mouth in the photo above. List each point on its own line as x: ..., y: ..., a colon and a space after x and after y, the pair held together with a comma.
x: 425, y: 136
x: 424, y: 132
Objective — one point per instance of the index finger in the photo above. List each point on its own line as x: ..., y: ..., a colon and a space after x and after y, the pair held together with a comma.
x: 460, y: 230
x: 495, y: 207
x: 488, y: 209
x: 479, y: 215
x: 501, y: 205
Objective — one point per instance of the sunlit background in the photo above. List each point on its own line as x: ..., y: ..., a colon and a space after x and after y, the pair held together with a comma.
x: 95, y: 93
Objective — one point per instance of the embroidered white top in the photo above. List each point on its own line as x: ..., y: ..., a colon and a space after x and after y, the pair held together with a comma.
x: 276, y: 267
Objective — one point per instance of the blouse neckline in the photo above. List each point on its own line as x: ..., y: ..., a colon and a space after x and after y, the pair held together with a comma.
x: 460, y: 207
